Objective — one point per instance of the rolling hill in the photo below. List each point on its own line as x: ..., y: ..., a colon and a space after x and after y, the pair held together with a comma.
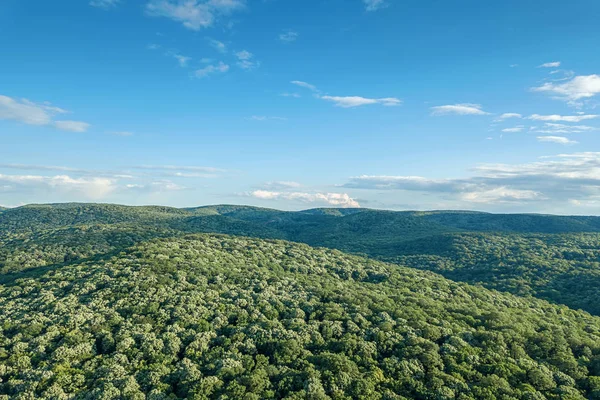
x: 222, y: 317
x: 545, y: 256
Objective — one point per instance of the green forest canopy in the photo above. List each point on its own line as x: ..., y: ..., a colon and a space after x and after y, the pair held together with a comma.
x: 209, y: 316
x: 551, y: 257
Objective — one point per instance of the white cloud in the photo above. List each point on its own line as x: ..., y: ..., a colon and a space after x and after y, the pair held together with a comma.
x: 346, y: 101
x: 165, y: 186
x: 296, y: 95
x: 218, y: 45
x: 500, y: 194
x: 562, y: 118
x: 578, y: 88
x: 374, y: 5
x: 554, y: 64
x: 41, y: 167
x: 211, y: 69
x: 180, y: 167
x: 41, y: 114
x: 193, y: 14
x: 305, y: 85
x: 548, y: 184
x: 181, y: 59
x: 181, y: 171
x: 245, y: 60
x: 122, y: 133
x: 334, y: 199
x: 356, y: 101
x: 159, y: 186
x: 281, y: 185
x: 391, y: 182
x: 266, y: 118
x: 554, y: 128
x: 506, y: 116
x: 105, y: 4
x: 459, y: 109
x: 288, y: 36
x: 89, y: 187
x: 515, y: 129
x: 243, y: 55
x: 72, y: 126
x: 23, y: 111
x: 556, y: 139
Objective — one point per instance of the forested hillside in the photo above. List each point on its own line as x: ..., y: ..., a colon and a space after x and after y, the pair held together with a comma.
x: 550, y: 257
x: 564, y: 268
x: 219, y: 317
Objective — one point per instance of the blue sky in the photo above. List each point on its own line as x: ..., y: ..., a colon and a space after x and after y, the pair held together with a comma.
x: 293, y: 104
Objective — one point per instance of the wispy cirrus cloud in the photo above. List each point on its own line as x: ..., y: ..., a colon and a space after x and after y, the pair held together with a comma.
x: 519, y: 128
x: 193, y: 14
x: 221, y: 67
x: 281, y: 185
x: 88, y: 187
x: 288, y: 36
x: 218, y: 45
x: 246, y: 60
x: 34, y: 167
x: 348, y: 101
x: 553, y: 182
x: 77, y: 184
x: 181, y: 59
x: 180, y: 167
x: 556, y: 139
x: 554, y: 128
x: 122, y: 133
x: 181, y: 171
x: 574, y: 90
x: 553, y: 64
x: 562, y: 118
x: 104, y: 4
x: 155, y: 186
x: 500, y: 194
x: 506, y: 116
x: 286, y: 94
x: 305, y: 85
x: 332, y: 199
x: 357, y: 101
x: 72, y: 126
x: 458, y: 109
x: 266, y: 118
x: 41, y: 114
x: 374, y: 5
x: 466, y: 190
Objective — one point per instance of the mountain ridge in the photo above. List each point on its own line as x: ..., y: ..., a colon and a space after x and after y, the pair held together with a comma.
x: 214, y: 316
x: 550, y: 257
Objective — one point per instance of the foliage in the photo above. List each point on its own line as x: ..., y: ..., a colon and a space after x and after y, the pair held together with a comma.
x: 209, y: 316
x: 549, y: 257
x: 563, y: 268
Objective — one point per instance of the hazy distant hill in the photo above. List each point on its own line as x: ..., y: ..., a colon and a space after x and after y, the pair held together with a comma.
x: 221, y: 317
x: 551, y: 257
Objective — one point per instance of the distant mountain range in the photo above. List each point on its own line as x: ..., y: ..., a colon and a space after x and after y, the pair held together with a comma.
x: 105, y: 301
x: 551, y: 257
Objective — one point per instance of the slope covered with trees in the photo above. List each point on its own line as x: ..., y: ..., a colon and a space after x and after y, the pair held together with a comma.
x: 204, y: 316
x: 550, y: 257
x: 564, y: 268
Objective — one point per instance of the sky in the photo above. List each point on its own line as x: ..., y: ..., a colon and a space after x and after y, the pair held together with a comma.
x: 296, y: 104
